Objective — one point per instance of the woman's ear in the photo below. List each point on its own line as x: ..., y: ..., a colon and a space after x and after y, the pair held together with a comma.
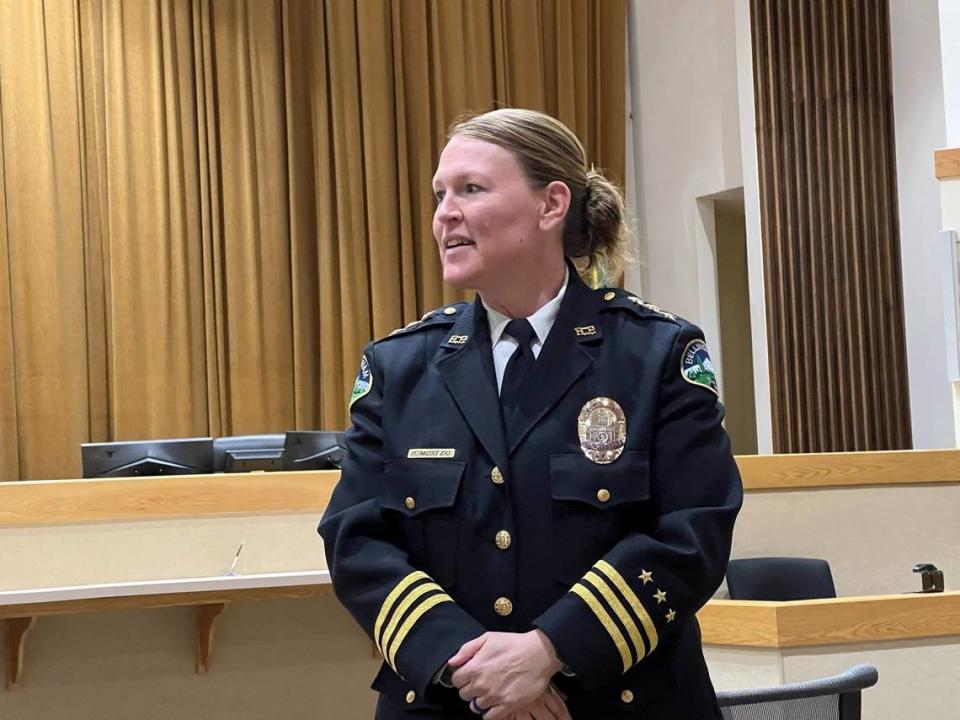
x: 554, y: 205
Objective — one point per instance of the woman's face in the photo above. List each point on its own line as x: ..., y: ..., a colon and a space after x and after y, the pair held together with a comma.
x: 487, y: 219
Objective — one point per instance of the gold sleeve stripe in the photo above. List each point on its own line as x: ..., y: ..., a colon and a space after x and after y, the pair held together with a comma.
x: 397, y: 615
x: 604, y: 617
x: 392, y: 598
x: 391, y: 655
x: 600, y: 583
x: 617, y: 579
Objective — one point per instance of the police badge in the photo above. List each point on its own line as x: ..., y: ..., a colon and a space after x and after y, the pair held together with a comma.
x: 602, y: 427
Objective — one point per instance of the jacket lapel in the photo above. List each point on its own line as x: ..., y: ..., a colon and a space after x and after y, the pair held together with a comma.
x: 562, y: 361
x: 465, y: 362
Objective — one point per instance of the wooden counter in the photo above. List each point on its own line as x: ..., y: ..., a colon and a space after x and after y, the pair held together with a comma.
x: 77, y: 501
x: 837, y: 621
x: 41, y: 502
x: 830, y: 470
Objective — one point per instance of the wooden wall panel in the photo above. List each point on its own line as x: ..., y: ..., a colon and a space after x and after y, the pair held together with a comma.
x: 829, y: 222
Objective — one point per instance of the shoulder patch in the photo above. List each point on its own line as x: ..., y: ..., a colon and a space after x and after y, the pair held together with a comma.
x: 364, y: 382
x: 621, y: 299
x: 696, y: 367
x: 446, y: 315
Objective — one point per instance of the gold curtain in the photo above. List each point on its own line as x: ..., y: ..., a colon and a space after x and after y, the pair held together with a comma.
x: 209, y: 207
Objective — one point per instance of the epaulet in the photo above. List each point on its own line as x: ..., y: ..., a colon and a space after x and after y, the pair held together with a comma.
x: 617, y: 299
x: 442, y: 316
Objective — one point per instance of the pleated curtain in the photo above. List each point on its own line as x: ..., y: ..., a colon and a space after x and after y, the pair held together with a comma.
x: 209, y: 207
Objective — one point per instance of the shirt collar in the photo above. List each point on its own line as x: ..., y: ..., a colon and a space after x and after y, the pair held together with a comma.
x: 541, y: 321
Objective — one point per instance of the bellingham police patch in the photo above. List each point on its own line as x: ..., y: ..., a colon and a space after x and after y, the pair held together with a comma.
x: 364, y: 381
x: 696, y: 367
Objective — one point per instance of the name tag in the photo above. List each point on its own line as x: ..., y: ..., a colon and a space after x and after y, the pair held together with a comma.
x: 431, y: 453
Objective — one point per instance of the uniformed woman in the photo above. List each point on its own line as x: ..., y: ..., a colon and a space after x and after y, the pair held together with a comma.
x: 538, y: 493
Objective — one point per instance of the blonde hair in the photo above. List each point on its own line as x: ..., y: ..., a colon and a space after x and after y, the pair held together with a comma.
x: 595, y: 234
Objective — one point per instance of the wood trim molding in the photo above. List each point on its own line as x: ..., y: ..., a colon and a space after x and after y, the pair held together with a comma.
x: 946, y: 163
x: 150, y: 498
x: 824, y: 470
x: 839, y: 621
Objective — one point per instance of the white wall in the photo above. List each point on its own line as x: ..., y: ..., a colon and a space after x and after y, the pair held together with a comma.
x: 852, y: 528
x: 919, y: 128
x: 686, y: 138
x: 950, y: 56
x: 751, y: 209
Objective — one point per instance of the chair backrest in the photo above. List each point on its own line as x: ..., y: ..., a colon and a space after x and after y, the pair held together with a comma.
x: 779, y: 578
x: 830, y: 698
x: 239, y: 453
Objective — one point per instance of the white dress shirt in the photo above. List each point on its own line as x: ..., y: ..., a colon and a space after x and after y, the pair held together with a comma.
x: 542, y: 320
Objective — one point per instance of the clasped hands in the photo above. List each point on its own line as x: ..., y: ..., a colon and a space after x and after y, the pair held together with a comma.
x: 507, y: 676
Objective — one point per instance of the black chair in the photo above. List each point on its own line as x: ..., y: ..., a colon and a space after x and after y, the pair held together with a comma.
x: 831, y: 698
x: 246, y: 453
x: 779, y: 578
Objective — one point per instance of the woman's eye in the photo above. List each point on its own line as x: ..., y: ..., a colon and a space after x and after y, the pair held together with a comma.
x: 438, y: 196
x: 472, y: 188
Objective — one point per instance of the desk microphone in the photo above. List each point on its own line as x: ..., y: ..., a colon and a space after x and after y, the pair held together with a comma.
x: 235, y: 558
x: 930, y: 577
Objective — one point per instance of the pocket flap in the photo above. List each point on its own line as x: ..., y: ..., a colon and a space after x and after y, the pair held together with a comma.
x: 575, y: 478
x: 418, y: 486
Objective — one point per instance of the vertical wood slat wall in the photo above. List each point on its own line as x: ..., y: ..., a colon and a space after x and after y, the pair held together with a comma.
x: 838, y: 369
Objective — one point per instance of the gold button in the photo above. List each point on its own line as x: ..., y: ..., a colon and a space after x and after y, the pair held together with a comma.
x: 610, y: 295
x: 450, y: 311
x: 496, y: 476
x: 411, y: 696
x: 410, y: 503
x: 603, y: 494
x: 626, y: 696
x: 503, y: 606
x: 503, y: 539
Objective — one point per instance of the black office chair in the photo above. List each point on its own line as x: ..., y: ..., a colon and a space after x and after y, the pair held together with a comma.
x: 779, y: 578
x: 831, y: 698
x: 246, y: 453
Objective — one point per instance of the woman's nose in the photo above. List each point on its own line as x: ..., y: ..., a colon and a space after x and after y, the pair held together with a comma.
x: 448, y: 209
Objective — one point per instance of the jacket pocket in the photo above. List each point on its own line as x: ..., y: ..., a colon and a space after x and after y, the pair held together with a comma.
x: 424, y: 495
x: 594, y: 506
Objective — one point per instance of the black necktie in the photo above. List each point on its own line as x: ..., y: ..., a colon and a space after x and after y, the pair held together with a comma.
x: 517, y: 372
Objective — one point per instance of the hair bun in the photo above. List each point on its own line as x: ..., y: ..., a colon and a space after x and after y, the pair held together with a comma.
x: 607, y: 241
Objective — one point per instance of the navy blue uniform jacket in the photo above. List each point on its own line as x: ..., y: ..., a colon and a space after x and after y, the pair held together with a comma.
x: 611, y: 561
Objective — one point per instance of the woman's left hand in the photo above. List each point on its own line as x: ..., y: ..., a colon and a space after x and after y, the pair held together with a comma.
x: 505, y: 672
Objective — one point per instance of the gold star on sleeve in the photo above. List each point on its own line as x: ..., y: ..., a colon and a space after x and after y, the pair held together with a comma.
x: 645, y: 576
x: 660, y: 595
x: 670, y: 616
